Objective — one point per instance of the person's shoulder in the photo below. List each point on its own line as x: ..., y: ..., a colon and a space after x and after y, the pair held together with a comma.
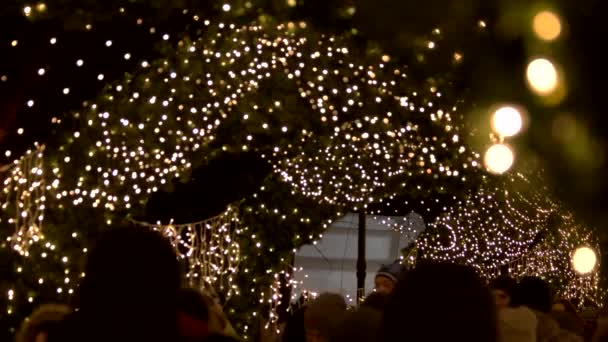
x: 518, y: 317
x: 68, y: 330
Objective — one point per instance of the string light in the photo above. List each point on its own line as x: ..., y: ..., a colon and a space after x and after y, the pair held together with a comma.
x: 510, y: 225
x: 210, y: 247
x: 23, y: 194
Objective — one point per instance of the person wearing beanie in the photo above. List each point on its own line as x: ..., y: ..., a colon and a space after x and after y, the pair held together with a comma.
x: 323, y: 316
x: 502, y: 289
x: 387, y: 277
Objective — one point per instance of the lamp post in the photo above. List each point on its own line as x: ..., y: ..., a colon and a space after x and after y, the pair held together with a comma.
x: 361, y: 264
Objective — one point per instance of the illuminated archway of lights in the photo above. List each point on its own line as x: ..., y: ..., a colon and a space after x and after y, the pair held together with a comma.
x: 160, y: 120
x: 517, y: 226
x: 153, y: 125
x: 491, y: 225
x: 551, y: 260
x: 378, y: 128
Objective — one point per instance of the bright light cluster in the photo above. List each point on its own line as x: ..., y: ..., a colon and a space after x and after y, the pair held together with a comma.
x: 553, y: 260
x: 515, y: 226
x: 376, y: 129
x: 210, y: 248
x: 151, y: 127
x: 492, y: 225
x: 24, y: 195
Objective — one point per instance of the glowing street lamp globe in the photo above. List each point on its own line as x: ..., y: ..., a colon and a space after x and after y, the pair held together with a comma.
x: 542, y: 76
x: 507, y: 121
x: 584, y: 260
x: 499, y: 158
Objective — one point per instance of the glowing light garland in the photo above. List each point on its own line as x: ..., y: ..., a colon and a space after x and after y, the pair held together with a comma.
x: 24, y: 194
x: 210, y: 247
x: 131, y: 151
x: 381, y: 129
x: 513, y: 227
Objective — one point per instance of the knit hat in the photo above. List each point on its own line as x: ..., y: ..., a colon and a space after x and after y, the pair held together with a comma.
x: 325, y: 313
x: 392, y: 271
x: 517, y: 325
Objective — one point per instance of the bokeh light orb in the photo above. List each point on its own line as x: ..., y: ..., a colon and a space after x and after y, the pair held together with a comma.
x: 584, y: 260
x: 507, y: 121
x: 547, y: 25
x: 542, y: 76
x: 499, y: 158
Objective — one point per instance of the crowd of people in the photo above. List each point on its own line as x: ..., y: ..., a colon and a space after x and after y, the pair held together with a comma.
x: 132, y: 291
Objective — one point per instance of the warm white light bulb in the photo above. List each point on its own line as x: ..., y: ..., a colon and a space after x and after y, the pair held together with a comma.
x: 499, y: 158
x: 547, y: 25
x: 584, y: 260
x: 507, y: 121
x: 542, y: 76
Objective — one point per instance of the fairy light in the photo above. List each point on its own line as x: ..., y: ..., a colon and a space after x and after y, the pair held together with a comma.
x: 495, y: 227
x: 211, y: 248
x: 23, y: 194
